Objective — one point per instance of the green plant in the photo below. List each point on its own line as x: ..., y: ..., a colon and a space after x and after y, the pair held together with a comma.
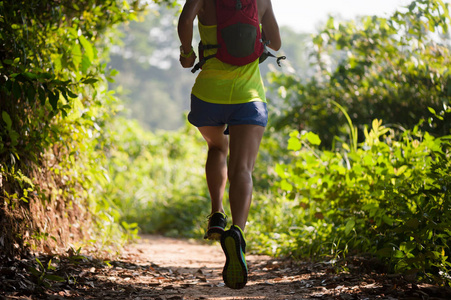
x: 377, y: 68
x: 75, y: 256
x: 43, y: 274
x: 54, y: 106
x: 150, y: 183
x: 390, y: 197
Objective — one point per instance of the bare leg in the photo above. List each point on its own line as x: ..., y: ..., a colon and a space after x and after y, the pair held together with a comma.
x: 216, y: 165
x: 244, y: 144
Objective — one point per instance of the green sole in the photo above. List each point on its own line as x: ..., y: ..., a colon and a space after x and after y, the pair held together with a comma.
x: 234, y: 273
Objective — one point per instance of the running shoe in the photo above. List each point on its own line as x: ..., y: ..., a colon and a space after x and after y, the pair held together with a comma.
x: 235, y: 269
x: 216, y: 225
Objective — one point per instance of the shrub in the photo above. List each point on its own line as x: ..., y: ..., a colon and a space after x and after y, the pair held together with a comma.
x: 389, y: 197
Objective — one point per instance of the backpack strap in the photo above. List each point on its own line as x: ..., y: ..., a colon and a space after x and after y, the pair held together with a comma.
x: 203, y: 59
x: 201, y: 63
x: 267, y: 54
x: 262, y: 58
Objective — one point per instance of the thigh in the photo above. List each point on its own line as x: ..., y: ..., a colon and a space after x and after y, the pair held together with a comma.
x: 214, y: 135
x: 244, y: 144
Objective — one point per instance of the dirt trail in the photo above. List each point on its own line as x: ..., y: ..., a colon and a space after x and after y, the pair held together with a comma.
x: 172, y: 269
x: 188, y: 270
x: 193, y: 271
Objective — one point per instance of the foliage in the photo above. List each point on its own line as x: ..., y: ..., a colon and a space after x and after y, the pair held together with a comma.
x: 42, y: 274
x: 53, y: 105
x: 157, y: 179
x: 395, y: 69
x: 390, y: 197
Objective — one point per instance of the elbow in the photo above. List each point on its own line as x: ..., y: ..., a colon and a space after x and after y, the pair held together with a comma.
x: 275, y: 45
x: 273, y: 37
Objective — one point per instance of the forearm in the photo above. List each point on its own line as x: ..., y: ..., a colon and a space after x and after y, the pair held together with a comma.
x: 185, y: 32
x: 185, y: 25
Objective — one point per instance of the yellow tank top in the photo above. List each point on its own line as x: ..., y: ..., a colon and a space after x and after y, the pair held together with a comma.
x: 223, y: 83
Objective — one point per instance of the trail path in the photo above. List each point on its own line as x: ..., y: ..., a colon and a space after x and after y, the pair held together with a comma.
x: 193, y: 271
x: 172, y: 269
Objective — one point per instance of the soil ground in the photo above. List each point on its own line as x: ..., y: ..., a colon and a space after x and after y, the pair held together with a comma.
x: 172, y: 269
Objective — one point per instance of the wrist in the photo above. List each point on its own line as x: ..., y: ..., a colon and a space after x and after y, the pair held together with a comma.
x: 186, y: 54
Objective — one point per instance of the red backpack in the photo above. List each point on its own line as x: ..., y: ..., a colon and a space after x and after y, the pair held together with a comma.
x: 238, y: 33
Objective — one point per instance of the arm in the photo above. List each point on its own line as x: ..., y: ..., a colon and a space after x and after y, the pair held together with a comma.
x: 185, y: 30
x: 270, y: 27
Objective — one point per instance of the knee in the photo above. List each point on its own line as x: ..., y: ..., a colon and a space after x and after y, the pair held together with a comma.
x: 218, y: 150
x: 243, y: 175
x: 218, y: 146
x: 218, y: 153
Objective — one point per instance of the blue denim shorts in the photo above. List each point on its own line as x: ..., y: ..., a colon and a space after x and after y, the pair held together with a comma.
x: 211, y: 114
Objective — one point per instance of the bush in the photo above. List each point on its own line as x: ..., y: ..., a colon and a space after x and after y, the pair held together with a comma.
x: 396, y: 69
x: 389, y: 197
x: 157, y: 180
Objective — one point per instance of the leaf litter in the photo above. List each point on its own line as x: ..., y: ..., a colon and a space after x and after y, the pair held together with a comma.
x: 163, y: 268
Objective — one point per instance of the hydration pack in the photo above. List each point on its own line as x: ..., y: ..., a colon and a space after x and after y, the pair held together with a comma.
x: 238, y: 33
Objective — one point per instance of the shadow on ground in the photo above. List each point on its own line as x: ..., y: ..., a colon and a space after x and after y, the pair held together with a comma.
x: 163, y: 268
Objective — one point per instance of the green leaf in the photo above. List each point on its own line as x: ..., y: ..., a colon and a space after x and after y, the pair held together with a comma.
x: 432, y: 110
x: 14, y: 136
x: 30, y: 76
x: 349, y: 226
x: 17, y: 90
x: 53, y: 99
x: 76, y: 55
x: 413, y: 223
x: 63, y: 92
x: 85, y: 63
x: 385, y: 252
x: 40, y: 263
x: 35, y: 272
x: 42, y: 96
x: 313, y: 138
x: 280, y: 171
x: 286, y: 186
x: 88, y: 48
x: 7, y: 119
x: 31, y: 93
x: 407, y: 247
x: 54, y: 278
x: 49, y: 265
x: 71, y: 94
x: 90, y: 81
x: 401, y: 170
x: 388, y: 220
x: 294, y: 144
x: 114, y: 72
x: 398, y: 254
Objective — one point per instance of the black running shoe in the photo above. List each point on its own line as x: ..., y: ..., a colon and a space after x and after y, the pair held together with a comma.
x: 216, y: 226
x: 235, y: 269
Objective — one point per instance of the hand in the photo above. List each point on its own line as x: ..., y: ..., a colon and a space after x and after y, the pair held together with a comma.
x: 188, y: 62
